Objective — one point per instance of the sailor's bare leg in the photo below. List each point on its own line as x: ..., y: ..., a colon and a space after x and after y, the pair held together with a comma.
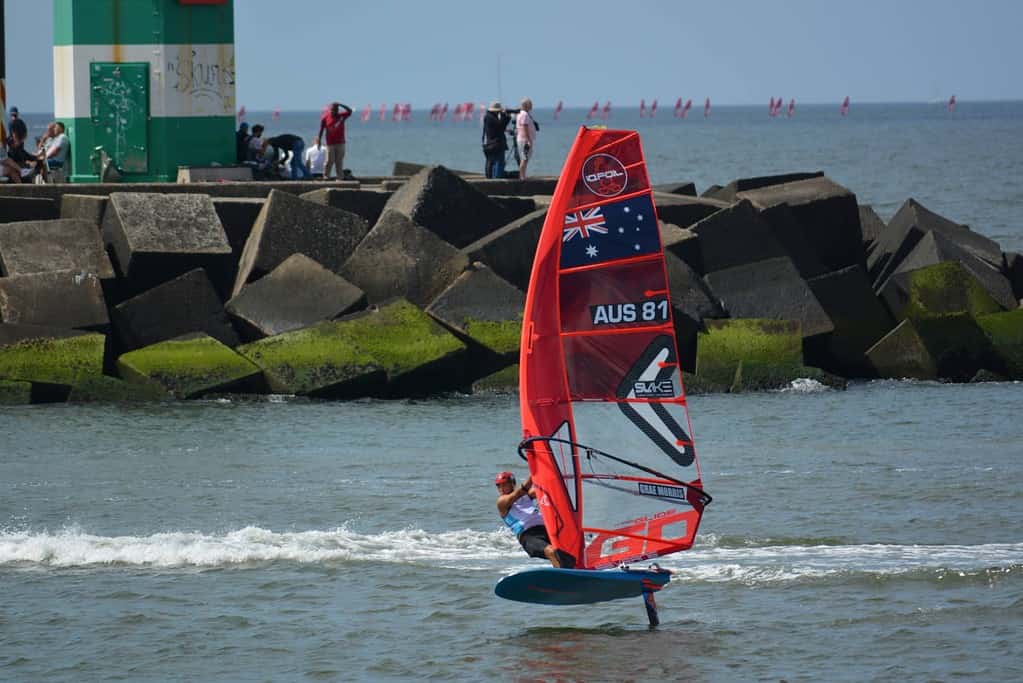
x: 552, y: 555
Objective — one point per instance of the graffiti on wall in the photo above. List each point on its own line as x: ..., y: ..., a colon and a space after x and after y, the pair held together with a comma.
x: 201, y: 78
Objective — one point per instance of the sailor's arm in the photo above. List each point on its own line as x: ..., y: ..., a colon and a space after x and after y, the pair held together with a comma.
x: 505, y: 501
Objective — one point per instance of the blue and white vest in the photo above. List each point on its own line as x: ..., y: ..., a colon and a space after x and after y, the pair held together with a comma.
x: 523, y: 514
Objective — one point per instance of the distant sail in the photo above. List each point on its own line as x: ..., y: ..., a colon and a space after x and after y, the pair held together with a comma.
x: 593, y: 110
x: 241, y: 113
x: 792, y: 107
x: 770, y: 107
x: 383, y: 112
x: 642, y: 108
x: 706, y: 108
x: 653, y: 108
x: 678, y: 107
x: 685, y: 109
x: 952, y: 103
x: 606, y: 110
x: 276, y: 114
x: 845, y: 106
x: 366, y: 113
x: 557, y: 110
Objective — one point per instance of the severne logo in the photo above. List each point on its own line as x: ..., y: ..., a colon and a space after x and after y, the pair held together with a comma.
x: 604, y: 175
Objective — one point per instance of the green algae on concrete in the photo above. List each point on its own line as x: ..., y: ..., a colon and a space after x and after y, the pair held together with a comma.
x: 187, y: 366
x: 766, y: 342
x: 112, y: 390
x: 503, y: 381
x: 499, y: 336
x: 396, y: 339
x: 945, y: 288
x: 62, y: 360
x: 320, y: 359
x: 15, y: 392
x: 902, y: 353
x: 956, y: 343
x: 1005, y: 332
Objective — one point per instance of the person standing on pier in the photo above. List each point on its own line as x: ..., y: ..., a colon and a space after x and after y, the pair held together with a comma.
x: 333, y: 122
x: 495, y: 122
x: 525, y: 135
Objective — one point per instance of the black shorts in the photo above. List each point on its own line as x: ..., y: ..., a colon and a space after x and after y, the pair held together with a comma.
x: 534, y: 540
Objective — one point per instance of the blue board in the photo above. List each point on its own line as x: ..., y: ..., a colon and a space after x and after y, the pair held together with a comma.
x: 549, y: 586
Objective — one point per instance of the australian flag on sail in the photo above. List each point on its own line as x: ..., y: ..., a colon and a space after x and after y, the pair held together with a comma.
x: 615, y: 230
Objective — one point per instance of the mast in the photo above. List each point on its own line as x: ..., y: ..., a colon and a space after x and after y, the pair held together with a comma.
x: 3, y: 83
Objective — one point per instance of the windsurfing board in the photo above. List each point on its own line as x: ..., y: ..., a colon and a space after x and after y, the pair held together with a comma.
x: 550, y: 586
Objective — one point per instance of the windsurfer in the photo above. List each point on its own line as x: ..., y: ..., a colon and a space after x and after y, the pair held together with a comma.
x: 517, y: 507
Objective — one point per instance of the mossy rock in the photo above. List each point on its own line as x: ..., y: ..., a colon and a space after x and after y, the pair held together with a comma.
x: 500, y: 336
x: 762, y: 341
x: 396, y: 342
x: 1005, y: 332
x: 956, y: 343
x: 317, y: 360
x: 695, y: 384
x: 15, y: 392
x: 188, y: 366
x: 754, y: 376
x: 984, y: 375
x: 505, y: 380
x: 902, y: 353
x: 945, y: 288
x: 62, y: 360
x: 112, y: 390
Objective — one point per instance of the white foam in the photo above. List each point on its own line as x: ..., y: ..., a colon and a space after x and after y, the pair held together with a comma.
x: 805, y: 385
x: 72, y: 548
x: 768, y: 564
x: 469, y: 549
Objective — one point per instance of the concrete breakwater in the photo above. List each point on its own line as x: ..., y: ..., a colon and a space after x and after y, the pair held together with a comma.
x: 413, y: 284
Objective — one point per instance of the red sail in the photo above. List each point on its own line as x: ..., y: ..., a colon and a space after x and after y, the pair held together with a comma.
x: 602, y: 403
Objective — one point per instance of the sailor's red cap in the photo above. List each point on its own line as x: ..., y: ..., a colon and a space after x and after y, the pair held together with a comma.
x: 503, y: 477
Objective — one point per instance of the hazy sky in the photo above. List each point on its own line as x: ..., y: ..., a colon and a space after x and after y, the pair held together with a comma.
x: 302, y: 53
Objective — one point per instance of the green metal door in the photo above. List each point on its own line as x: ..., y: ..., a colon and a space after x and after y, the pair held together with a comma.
x: 120, y: 112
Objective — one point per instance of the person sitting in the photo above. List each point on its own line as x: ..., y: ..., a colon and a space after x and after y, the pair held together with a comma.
x: 518, y: 509
x: 56, y: 148
x: 255, y: 144
x: 20, y: 164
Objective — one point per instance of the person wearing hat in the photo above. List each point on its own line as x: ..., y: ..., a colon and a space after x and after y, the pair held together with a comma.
x: 518, y: 509
x: 495, y: 121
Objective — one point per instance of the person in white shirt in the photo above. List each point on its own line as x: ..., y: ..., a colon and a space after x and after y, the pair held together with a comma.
x: 57, y: 148
x: 525, y: 135
x: 315, y: 156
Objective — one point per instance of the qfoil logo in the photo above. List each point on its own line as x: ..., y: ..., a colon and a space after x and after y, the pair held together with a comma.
x: 604, y: 175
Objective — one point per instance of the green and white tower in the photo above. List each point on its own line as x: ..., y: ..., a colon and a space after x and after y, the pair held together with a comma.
x: 149, y: 81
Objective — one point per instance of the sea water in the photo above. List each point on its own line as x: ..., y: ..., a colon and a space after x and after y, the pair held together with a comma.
x: 867, y: 534
x: 870, y: 534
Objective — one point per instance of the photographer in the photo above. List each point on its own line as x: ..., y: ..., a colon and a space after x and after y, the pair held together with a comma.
x: 495, y: 122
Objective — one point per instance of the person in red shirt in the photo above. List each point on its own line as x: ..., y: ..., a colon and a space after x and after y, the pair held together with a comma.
x: 334, y: 123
